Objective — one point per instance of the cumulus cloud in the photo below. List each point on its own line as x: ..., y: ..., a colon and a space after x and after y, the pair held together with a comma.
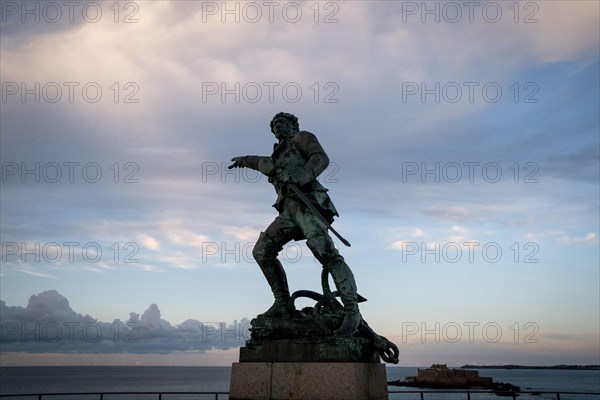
x: 49, y: 325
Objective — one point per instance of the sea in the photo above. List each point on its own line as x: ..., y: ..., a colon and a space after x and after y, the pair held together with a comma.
x: 21, y: 380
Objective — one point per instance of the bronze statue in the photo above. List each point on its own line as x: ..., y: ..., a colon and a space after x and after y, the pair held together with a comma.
x: 305, y: 212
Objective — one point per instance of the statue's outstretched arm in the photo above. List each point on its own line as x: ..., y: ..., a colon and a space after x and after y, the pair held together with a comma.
x: 258, y: 163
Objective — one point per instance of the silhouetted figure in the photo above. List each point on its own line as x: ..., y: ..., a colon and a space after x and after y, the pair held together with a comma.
x: 299, y: 159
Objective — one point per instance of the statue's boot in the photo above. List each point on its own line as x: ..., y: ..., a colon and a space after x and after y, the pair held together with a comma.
x: 275, y: 274
x: 265, y: 253
x: 346, y: 286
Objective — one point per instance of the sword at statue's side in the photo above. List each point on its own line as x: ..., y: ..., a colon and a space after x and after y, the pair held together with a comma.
x: 316, y: 212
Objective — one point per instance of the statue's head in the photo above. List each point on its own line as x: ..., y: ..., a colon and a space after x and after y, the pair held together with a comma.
x: 284, y: 124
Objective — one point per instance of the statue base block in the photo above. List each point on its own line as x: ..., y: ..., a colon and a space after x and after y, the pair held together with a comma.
x: 306, y: 380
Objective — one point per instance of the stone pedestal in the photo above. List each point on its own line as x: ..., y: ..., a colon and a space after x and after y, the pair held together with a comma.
x: 308, y: 381
x: 298, y: 358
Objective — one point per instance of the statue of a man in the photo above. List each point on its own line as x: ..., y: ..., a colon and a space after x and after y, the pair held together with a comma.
x: 299, y: 158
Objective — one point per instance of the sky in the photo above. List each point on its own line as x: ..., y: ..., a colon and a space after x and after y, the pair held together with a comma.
x: 464, y: 148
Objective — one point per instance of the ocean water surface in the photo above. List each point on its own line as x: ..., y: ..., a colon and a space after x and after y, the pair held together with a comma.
x: 18, y: 380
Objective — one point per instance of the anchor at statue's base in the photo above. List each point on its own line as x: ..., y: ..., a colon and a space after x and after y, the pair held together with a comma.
x: 308, y: 335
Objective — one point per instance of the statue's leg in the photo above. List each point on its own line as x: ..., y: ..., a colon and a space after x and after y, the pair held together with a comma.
x: 321, y: 245
x: 265, y: 252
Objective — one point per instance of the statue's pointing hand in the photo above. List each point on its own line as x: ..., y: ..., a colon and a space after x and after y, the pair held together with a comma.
x: 238, y: 162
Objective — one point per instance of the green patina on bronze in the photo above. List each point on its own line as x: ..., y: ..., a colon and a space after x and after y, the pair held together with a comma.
x: 329, y: 331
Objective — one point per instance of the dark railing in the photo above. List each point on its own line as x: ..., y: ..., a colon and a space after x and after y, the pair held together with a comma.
x: 422, y: 394
x: 507, y: 394
x: 40, y: 396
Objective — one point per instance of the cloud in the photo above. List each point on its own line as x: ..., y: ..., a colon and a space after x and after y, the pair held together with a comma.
x: 399, y: 244
x: 49, y: 325
x: 579, y: 21
x: 244, y: 233
x: 453, y: 213
x: 589, y: 238
x: 149, y: 242
x: 35, y: 273
x: 148, y: 267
